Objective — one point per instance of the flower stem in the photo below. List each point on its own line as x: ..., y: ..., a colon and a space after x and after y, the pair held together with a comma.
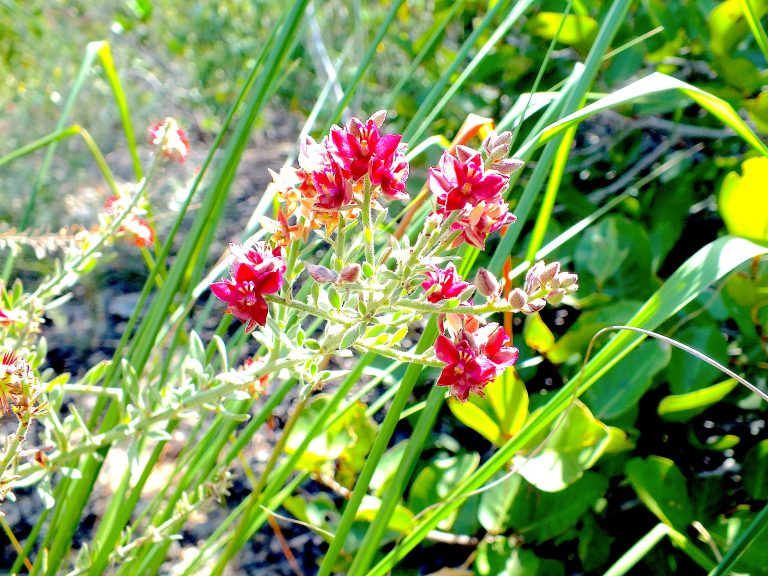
x: 370, y: 255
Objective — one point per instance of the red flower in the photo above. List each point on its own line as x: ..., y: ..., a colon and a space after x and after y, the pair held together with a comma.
x: 492, y: 340
x: 256, y: 271
x: 357, y: 143
x: 174, y: 142
x: 5, y: 318
x: 458, y: 182
x: 333, y: 189
x: 450, y: 284
x: 474, y: 358
x: 480, y: 221
x: 139, y: 230
x: 466, y: 370
x: 389, y: 169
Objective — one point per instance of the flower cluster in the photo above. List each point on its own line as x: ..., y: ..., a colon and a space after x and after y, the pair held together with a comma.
x: 256, y: 270
x: 475, y: 354
x: 464, y: 183
x: 134, y: 225
x: 172, y: 140
x: 543, y: 283
x: 19, y: 388
x: 333, y: 175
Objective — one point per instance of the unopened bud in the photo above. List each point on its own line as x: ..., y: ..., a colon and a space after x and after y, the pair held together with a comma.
x: 518, y: 298
x: 507, y: 165
x: 566, y: 279
x: 556, y: 296
x: 549, y: 271
x: 464, y: 153
x: 487, y: 284
x: 533, y: 279
x: 433, y: 222
x: 321, y: 274
x: 534, y: 306
x: 349, y: 273
x: 378, y: 117
x: 496, y: 146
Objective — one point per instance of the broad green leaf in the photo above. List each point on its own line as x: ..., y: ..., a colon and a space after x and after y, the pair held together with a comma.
x: 576, y: 30
x: 575, y: 445
x: 498, y: 415
x: 683, y: 407
x: 436, y: 480
x: 757, y: 108
x: 622, y: 387
x: 400, y: 521
x: 594, y: 544
x: 575, y: 341
x: 614, y: 257
x: 755, y: 471
x: 537, y: 335
x: 662, y: 488
x: 743, y: 200
x: 687, y: 373
x: 540, y: 516
x: 727, y: 25
x: 506, y: 558
x: 496, y: 503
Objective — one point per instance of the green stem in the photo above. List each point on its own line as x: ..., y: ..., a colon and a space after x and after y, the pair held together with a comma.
x: 370, y: 254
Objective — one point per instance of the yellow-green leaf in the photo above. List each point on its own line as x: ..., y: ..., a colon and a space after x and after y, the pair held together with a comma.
x: 576, y: 30
x: 744, y: 200
x: 537, y: 335
x: 682, y: 407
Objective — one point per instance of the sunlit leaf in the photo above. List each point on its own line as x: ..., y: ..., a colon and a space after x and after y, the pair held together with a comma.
x: 743, y: 200
x: 662, y: 488
x: 576, y: 30
x: 537, y: 335
x: 683, y: 407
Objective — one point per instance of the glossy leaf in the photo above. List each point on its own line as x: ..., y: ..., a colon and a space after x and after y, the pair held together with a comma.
x: 683, y: 407
x: 662, y: 488
x: 743, y: 200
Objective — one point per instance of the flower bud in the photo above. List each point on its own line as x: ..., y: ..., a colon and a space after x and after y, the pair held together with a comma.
x: 487, y: 284
x: 321, y: 274
x: 556, y: 296
x: 349, y: 273
x: 549, y: 271
x: 507, y: 165
x: 534, y: 306
x: 566, y: 279
x: 497, y: 145
x: 518, y: 298
x: 464, y: 153
x: 378, y: 117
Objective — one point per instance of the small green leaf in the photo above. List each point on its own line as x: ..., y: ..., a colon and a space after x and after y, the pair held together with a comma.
x: 400, y: 521
x: 576, y: 30
x: 537, y: 335
x: 683, y: 407
x: 506, y: 558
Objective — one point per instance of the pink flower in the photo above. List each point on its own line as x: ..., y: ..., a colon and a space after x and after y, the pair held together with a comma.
x: 481, y: 220
x: 449, y: 283
x: 333, y: 189
x: 475, y: 357
x: 492, y: 340
x: 465, y: 371
x: 6, y: 317
x: 139, y: 230
x: 354, y: 145
x: 461, y: 180
x: 389, y: 169
x: 174, y: 142
x: 256, y: 271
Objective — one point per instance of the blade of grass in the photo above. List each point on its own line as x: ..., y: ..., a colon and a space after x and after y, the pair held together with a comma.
x: 746, y: 539
x: 753, y: 20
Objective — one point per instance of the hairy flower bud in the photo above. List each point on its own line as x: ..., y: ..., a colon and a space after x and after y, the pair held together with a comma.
x: 321, y: 274
x: 556, y: 296
x: 534, y: 306
x: 518, y: 298
x: 487, y: 284
x: 349, y: 273
x: 506, y: 166
x: 378, y: 117
x: 496, y: 146
x: 566, y: 279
